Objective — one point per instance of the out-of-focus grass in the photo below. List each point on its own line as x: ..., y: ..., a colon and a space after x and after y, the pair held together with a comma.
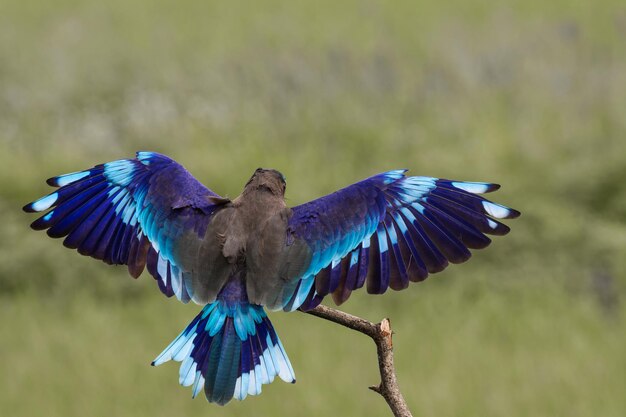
x: 529, y: 94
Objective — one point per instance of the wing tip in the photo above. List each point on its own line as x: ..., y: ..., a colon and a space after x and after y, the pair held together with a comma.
x: 493, y: 187
x: 53, y: 181
x: 514, y: 214
x: 473, y: 187
x: 499, y: 211
x: 67, y: 179
x: 42, y: 204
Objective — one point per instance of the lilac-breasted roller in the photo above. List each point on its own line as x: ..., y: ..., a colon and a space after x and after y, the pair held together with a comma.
x: 235, y: 257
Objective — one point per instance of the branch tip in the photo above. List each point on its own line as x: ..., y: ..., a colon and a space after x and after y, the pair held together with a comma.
x: 381, y: 334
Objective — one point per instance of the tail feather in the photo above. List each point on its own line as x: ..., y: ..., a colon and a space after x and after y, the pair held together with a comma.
x: 229, y: 350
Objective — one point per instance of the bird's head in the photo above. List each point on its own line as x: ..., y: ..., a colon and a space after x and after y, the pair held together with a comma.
x: 268, y: 180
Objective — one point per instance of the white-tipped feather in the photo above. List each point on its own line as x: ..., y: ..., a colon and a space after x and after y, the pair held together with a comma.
x: 245, y: 382
x: 187, y: 372
x: 63, y: 180
x: 262, y: 375
x: 162, y: 269
x: 45, y: 203
x: 176, y: 284
x: 289, y: 375
x: 496, y: 210
x: 472, y: 187
x: 198, y: 384
x: 185, y: 350
x: 254, y: 386
x: 166, y: 355
x: 258, y: 383
x: 237, y: 392
x: 269, y: 364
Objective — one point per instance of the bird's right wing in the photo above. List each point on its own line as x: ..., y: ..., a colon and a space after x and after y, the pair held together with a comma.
x: 385, y: 232
x: 147, y: 211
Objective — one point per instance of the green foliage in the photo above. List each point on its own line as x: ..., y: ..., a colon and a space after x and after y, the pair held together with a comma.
x: 529, y: 94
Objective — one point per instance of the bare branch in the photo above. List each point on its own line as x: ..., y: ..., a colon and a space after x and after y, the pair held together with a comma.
x: 381, y: 334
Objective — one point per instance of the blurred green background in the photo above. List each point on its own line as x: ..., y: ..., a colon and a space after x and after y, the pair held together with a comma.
x: 530, y: 94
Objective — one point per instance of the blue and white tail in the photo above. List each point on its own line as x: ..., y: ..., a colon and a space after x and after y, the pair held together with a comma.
x: 230, y: 350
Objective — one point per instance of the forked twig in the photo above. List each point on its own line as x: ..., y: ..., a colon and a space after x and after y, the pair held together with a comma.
x: 381, y: 334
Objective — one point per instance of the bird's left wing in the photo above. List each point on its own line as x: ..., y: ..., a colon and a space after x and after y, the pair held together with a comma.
x: 384, y: 232
x: 147, y: 211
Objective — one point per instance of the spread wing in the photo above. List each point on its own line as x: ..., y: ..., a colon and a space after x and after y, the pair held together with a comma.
x: 385, y: 232
x: 148, y: 211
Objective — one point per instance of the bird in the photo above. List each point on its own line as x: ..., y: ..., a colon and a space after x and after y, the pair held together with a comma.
x: 239, y: 257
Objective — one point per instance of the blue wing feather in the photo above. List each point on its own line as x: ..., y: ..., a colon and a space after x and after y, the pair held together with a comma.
x: 130, y: 211
x: 399, y: 278
x: 394, y: 229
